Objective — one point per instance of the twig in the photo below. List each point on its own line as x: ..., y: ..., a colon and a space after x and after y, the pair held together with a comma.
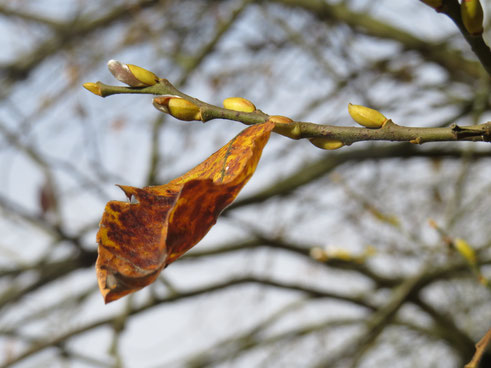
x: 451, y: 8
x: 390, y: 131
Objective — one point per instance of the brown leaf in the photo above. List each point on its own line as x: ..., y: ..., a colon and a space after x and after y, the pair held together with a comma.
x: 137, y: 240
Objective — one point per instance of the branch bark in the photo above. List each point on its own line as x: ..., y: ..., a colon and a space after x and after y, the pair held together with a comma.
x: 390, y: 131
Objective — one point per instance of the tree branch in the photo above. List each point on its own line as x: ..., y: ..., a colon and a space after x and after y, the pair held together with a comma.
x: 308, y: 291
x: 346, y: 134
x: 451, y: 8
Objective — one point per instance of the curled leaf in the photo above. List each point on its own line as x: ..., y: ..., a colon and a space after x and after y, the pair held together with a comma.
x: 137, y: 240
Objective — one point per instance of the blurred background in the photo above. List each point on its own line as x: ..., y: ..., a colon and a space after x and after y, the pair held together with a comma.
x: 326, y: 259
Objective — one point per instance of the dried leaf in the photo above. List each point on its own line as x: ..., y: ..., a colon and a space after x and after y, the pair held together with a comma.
x: 137, y: 240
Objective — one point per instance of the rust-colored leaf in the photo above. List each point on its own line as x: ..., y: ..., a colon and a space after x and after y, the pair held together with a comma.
x: 137, y: 240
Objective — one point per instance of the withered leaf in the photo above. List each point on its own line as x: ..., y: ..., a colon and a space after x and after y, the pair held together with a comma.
x: 137, y: 240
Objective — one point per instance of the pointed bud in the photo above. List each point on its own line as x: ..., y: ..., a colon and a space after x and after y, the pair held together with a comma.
x: 472, y: 16
x: 285, y: 126
x: 435, y: 4
x: 239, y: 104
x: 465, y: 250
x: 93, y: 87
x: 177, y: 107
x: 369, y: 251
x: 318, y: 254
x: 366, y: 116
x: 132, y: 75
x: 326, y: 143
x: 341, y: 254
x: 143, y: 75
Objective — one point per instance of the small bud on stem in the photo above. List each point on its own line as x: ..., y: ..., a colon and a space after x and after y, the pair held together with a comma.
x: 465, y: 250
x: 366, y: 116
x: 285, y: 126
x: 132, y: 75
x: 472, y: 16
x: 326, y: 143
x: 93, y: 87
x: 239, y: 104
x: 177, y: 107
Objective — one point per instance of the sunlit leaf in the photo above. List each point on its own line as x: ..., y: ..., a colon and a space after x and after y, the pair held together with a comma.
x: 137, y: 239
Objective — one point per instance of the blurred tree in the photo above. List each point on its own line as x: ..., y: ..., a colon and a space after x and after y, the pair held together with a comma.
x: 327, y: 259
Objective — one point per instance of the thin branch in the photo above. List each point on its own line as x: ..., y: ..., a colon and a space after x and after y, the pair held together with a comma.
x: 305, y: 290
x: 448, y: 329
x: 261, y: 240
x: 451, y: 8
x: 346, y: 134
x: 310, y: 172
x: 68, y: 33
x: 441, y: 53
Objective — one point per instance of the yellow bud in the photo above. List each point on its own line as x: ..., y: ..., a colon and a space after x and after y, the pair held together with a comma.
x: 366, y: 116
x: 483, y: 280
x: 318, y: 254
x: 280, y: 119
x: 370, y: 251
x: 436, y: 4
x: 177, y: 107
x: 132, y: 75
x: 239, y: 104
x: 465, y: 250
x: 285, y: 126
x: 326, y: 143
x: 143, y: 75
x: 93, y: 87
x: 340, y: 254
x: 472, y: 16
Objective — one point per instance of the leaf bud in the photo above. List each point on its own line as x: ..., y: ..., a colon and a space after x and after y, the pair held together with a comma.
x: 318, y: 254
x: 143, y: 75
x: 341, y: 254
x: 465, y: 250
x: 93, y: 87
x: 132, y: 75
x: 366, y: 116
x: 177, y: 107
x: 326, y: 143
x: 285, y: 126
x: 239, y: 104
x: 472, y: 16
